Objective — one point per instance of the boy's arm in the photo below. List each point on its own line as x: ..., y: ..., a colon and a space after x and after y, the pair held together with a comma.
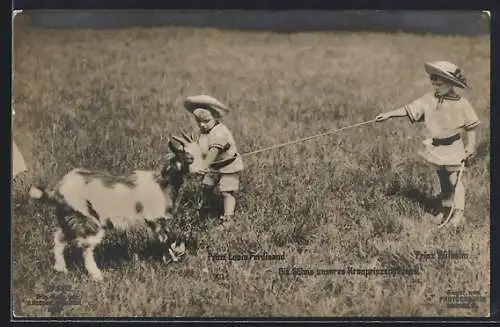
x: 471, y: 121
x: 414, y: 110
x: 401, y: 112
x: 470, y: 149
x: 211, y: 155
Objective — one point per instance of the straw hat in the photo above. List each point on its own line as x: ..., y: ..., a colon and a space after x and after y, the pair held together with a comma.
x: 206, y: 102
x: 448, y: 71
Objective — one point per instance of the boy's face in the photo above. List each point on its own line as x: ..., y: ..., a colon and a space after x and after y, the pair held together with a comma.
x: 440, y: 85
x: 204, y: 119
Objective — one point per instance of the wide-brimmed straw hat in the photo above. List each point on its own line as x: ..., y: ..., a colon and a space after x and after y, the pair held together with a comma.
x: 206, y: 102
x: 447, y: 71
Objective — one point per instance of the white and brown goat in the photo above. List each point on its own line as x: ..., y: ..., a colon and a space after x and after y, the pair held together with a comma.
x: 89, y: 202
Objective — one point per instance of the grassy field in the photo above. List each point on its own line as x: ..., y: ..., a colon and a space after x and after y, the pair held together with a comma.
x: 109, y: 100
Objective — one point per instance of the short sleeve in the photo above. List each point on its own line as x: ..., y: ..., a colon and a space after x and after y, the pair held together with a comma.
x: 416, y: 109
x: 218, y: 138
x: 471, y: 120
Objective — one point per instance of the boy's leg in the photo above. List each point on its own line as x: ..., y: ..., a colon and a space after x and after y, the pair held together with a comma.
x: 444, y: 204
x: 207, y: 193
x: 228, y: 185
x: 229, y: 203
x: 452, y: 193
x: 458, y: 195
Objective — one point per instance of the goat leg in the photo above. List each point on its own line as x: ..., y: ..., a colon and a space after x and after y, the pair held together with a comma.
x: 59, y: 246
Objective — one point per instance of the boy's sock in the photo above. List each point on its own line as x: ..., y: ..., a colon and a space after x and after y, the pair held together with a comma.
x: 205, y: 205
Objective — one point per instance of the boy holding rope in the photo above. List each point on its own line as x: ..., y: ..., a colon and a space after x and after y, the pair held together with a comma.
x: 446, y: 115
x: 221, y: 155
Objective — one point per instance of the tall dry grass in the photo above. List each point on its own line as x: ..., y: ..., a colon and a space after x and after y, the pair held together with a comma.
x: 109, y: 100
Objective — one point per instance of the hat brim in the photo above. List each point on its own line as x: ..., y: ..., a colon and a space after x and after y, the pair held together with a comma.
x: 434, y: 70
x: 206, y: 102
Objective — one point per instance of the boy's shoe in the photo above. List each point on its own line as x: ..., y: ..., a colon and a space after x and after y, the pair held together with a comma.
x: 436, y: 214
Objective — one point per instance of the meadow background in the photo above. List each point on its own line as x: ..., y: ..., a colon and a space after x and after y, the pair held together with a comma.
x: 109, y: 99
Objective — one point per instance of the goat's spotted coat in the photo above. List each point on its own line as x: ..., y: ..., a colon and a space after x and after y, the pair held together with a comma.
x: 125, y: 202
x: 89, y: 202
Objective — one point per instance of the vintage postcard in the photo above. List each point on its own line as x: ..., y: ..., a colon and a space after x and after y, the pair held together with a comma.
x: 314, y: 164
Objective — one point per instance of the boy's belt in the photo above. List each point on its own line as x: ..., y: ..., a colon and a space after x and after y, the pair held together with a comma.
x: 224, y: 163
x: 445, y: 141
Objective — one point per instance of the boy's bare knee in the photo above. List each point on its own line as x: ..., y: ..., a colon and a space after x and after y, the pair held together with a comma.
x: 227, y: 194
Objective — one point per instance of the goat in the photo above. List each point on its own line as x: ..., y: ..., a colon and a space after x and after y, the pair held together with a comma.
x: 87, y: 203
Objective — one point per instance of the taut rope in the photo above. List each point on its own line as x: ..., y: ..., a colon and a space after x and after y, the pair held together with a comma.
x: 300, y: 140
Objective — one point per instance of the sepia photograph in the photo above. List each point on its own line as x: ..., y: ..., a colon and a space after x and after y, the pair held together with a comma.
x: 231, y: 163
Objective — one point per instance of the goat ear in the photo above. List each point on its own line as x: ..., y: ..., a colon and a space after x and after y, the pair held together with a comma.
x: 178, y: 139
x: 187, y: 137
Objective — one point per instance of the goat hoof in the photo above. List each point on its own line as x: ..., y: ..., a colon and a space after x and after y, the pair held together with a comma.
x: 61, y: 268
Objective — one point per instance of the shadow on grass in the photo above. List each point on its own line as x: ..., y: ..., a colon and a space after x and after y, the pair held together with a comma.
x: 115, y: 255
x: 482, y: 150
x: 428, y: 203
x: 119, y: 250
x: 193, y: 225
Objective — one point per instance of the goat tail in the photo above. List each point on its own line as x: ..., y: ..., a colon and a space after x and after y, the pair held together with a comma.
x: 37, y: 192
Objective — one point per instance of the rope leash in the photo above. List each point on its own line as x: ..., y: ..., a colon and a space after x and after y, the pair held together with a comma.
x: 307, y: 138
x: 277, y: 146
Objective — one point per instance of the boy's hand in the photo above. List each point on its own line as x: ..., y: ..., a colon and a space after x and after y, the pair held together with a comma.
x: 382, y: 117
x: 470, y: 154
x: 202, y: 172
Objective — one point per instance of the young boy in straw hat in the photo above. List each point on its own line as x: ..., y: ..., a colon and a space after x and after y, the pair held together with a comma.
x: 220, y: 153
x: 446, y: 115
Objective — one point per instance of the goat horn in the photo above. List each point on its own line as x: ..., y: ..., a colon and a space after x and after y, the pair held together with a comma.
x: 179, y: 140
x: 187, y: 138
